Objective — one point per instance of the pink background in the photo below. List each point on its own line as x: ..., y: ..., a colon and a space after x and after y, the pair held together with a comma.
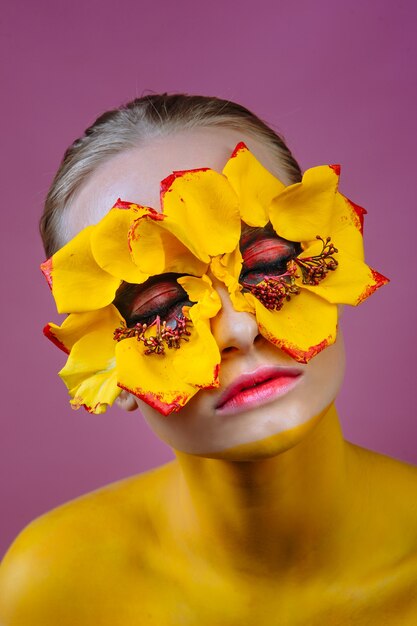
x: 338, y: 78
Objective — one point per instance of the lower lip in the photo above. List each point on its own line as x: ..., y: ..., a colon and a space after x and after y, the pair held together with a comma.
x: 258, y: 395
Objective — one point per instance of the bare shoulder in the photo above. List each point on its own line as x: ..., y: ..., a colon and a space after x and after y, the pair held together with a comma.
x: 388, y: 476
x: 385, y: 496
x: 390, y: 488
x: 73, y: 553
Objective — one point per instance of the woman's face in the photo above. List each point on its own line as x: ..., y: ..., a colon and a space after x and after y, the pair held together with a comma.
x: 266, y: 402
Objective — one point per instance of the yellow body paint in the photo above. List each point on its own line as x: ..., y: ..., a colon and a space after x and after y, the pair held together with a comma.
x: 269, y: 446
x: 323, y: 534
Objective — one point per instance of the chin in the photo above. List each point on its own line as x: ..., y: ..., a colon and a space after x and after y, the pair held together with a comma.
x: 254, y: 432
x: 277, y: 437
x: 268, y: 446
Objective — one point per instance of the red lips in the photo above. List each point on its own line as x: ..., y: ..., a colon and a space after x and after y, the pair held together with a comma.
x: 258, y: 386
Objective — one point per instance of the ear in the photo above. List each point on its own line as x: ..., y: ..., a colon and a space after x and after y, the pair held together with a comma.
x: 126, y: 401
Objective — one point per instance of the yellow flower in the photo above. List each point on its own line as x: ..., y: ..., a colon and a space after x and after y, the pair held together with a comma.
x: 166, y: 362
x: 85, y: 276
x: 167, y: 382
x: 301, y: 213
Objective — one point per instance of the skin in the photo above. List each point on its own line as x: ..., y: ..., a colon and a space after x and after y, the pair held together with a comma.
x: 267, y: 516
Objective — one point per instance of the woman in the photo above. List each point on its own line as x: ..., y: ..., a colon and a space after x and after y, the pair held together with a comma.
x: 223, y: 331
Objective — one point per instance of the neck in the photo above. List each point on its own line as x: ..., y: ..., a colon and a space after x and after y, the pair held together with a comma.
x: 272, y: 512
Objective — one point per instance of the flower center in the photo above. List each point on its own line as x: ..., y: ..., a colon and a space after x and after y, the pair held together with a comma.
x: 315, y: 268
x: 165, y: 335
x: 274, y: 291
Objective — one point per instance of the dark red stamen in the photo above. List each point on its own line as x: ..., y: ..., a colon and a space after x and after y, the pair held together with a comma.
x: 273, y: 291
x: 315, y: 268
x: 165, y: 335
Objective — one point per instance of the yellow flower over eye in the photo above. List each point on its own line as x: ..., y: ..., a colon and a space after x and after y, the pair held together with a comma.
x: 296, y: 308
x: 140, y: 301
x: 168, y: 381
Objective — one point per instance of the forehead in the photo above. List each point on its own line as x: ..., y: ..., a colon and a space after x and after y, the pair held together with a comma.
x: 135, y: 175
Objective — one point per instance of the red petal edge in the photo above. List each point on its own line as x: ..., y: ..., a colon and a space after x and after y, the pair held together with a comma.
x: 305, y: 357
x: 47, y: 331
x: 215, y: 382
x: 156, y: 403
x: 360, y: 212
x: 239, y: 148
x: 152, y: 213
x: 78, y: 404
x: 301, y: 356
x: 336, y: 168
x: 46, y: 268
x: 379, y: 279
x: 122, y: 204
x: 167, y: 183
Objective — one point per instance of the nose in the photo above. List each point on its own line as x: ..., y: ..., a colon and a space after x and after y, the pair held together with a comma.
x: 234, y: 331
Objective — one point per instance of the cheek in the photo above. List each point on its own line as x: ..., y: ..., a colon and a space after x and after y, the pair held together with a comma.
x: 184, y: 430
x: 156, y: 422
x: 193, y: 430
x: 326, y: 373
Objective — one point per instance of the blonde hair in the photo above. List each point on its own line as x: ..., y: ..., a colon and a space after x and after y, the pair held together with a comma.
x: 127, y: 126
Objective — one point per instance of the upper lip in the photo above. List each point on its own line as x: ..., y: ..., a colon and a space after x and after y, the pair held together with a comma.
x: 256, y: 377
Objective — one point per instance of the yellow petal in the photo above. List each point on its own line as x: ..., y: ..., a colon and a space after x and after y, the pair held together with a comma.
x: 156, y: 251
x: 89, y: 373
x: 350, y: 283
x: 67, y: 334
x: 346, y: 227
x: 304, y: 210
x: 378, y: 280
x: 227, y: 269
x: 78, y: 283
x: 200, y: 291
x: 110, y: 245
x: 302, y: 328
x: 253, y: 184
x: 202, y: 211
x: 197, y: 362
x: 103, y: 385
x: 154, y: 379
x: 356, y: 212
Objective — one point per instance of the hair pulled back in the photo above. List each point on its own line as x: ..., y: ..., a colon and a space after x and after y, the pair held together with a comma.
x: 126, y: 127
